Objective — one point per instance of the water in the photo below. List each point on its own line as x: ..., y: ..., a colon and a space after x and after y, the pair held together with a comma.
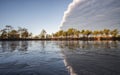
x: 59, y: 58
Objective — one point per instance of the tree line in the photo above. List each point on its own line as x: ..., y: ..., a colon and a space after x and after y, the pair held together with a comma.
x: 10, y: 33
x: 88, y: 34
x: 22, y: 33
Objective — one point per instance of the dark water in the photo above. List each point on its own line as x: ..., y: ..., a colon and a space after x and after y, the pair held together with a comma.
x: 59, y: 58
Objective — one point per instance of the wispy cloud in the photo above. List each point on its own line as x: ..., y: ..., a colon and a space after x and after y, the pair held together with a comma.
x: 92, y: 14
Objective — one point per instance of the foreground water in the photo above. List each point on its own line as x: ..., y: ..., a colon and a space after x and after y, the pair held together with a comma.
x: 59, y: 58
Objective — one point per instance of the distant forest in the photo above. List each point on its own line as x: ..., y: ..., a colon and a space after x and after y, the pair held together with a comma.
x: 22, y: 33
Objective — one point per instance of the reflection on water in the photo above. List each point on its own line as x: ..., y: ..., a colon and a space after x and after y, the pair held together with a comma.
x: 59, y: 57
x: 10, y: 46
x: 31, y: 58
x: 91, y: 57
x: 88, y: 44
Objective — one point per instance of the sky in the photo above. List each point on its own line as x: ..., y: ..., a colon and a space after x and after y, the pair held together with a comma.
x: 52, y: 15
x: 92, y: 15
x: 34, y: 15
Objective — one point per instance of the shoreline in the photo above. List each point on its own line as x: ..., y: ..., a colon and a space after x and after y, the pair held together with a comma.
x: 64, y: 39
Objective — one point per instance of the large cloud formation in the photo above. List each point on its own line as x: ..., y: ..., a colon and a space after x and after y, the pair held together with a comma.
x: 92, y: 15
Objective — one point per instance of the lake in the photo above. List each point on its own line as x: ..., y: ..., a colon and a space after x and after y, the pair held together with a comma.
x: 59, y: 58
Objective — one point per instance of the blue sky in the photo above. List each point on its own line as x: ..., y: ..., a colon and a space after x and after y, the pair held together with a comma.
x: 34, y: 15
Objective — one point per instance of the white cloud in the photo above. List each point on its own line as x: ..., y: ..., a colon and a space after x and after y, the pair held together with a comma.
x: 70, y: 7
x: 92, y: 14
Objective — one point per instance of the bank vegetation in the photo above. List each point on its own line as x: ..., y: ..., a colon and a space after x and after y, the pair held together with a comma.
x: 9, y: 33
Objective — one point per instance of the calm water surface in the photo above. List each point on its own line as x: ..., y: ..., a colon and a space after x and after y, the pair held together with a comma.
x: 59, y: 58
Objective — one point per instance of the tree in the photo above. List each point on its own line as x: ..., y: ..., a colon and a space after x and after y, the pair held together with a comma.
x: 3, y: 34
x: 76, y: 32
x: 13, y: 34
x: 87, y: 33
x: 60, y: 33
x: 30, y: 35
x: 83, y: 33
x: 65, y: 34
x: 96, y: 33
x: 71, y: 32
x: 20, y: 31
x: 43, y: 34
x: 106, y: 32
x: 54, y: 34
x: 101, y: 33
x: 114, y: 33
x: 24, y: 33
x: 8, y: 28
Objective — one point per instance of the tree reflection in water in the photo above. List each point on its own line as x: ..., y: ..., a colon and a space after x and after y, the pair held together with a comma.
x: 43, y: 45
x: 10, y: 46
x: 80, y: 57
x: 31, y: 58
x: 88, y: 44
x: 91, y: 57
x: 23, y: 45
